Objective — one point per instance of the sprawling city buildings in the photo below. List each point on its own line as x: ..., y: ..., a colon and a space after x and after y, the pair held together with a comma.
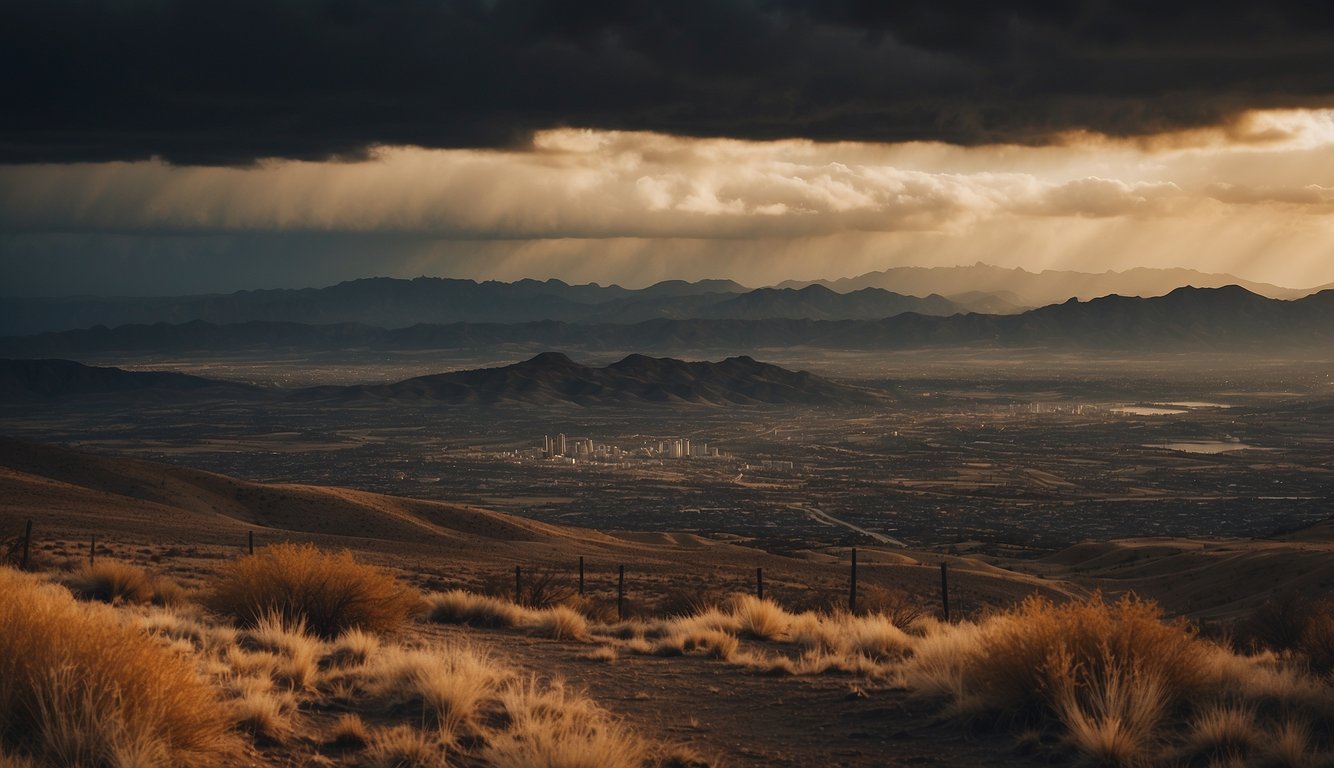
x: 565, y: 448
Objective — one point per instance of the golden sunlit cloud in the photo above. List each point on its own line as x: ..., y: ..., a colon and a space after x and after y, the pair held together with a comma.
x: 1090, y: 202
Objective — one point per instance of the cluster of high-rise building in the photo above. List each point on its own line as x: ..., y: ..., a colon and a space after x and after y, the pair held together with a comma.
x: 683, y: 448
x: 583, y: 448
x: 579, y: 448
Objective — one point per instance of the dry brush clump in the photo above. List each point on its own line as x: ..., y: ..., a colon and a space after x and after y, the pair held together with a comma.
x: 459, y: 606
x: 81, y: 686
x: 111, y: 581
x: 330, y: 593
x: 1123, y: 686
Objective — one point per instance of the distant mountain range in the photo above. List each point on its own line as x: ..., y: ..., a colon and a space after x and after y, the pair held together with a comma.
x: 1036, y: 289
x: 1207, y: 319
x: 393, y: 303
x: 550, y: 378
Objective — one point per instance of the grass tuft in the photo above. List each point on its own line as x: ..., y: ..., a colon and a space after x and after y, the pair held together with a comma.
x: 331, y: 593
x: 551, y: 727
x: 560, y: 623
x: 458, y: 606
x: 111, y: 581
x: 760, y: 619
x: 404, y: 747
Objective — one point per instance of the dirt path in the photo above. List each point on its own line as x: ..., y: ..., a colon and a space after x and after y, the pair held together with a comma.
x: 749, y: 720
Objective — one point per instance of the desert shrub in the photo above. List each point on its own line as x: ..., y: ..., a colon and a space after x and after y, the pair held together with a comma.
x: 682, y: 601
x: 1276, y: 624
x: 11, y: 551
x: 80, y: 687
x: 111, y: 581
x: 1316, y: 641
x: 459, y: 607
x: 329, y: 592
x: 599, y: 610
x: 168, y: 593
x: 896, y: 605
x: 538, y: 588
x: 1113, y: 675
x: 1021, y: 659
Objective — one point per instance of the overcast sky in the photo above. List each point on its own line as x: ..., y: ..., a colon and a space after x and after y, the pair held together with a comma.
x: 179, y: 146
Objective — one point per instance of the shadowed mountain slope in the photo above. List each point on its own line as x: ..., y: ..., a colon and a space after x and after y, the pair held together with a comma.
x: 551, y: 378
x: 39, y: 379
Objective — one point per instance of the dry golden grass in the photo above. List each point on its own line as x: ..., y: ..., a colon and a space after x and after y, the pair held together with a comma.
x: 1126, y: 687
x: 1289, y: 746
x: 447, y: 684
x: 560, y: 623
x: 295, y: 654
x: 711, y: 643
x: 78, y: 686
x: 461, y: 607
x: 759, y: 619
x: 1222, y: 730
x: 1112, y: 720
x: 350, y: 733
x: 111, y: 581
x: 265, y: 714
x: 1021, y: 659
x: 329, y: 592
x: 551, y: 727
x: 1316, y: 642
x: 352, y: 648
x: 873, y: 636
x: 403, y: 747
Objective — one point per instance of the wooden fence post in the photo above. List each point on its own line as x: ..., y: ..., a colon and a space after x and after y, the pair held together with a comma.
x: 852, y: 584
x: 27, y: 545
x: 620, y: 594
x: 250, y: 536
x: 92, y: 550
x: 759, y: 582
x: 518, y: 585
x: 581, y: 575
x: 945, y: 589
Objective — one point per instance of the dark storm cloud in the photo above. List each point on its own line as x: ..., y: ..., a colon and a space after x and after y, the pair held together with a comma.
x: 229, y: 81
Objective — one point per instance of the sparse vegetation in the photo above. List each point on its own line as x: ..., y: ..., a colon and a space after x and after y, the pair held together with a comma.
x: 111, y: 581
x: 78, y: 686
x: 330, y: 593
x: 460, y: 607
x: 555, y: 728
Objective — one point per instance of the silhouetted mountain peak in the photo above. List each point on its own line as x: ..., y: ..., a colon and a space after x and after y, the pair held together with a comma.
x: 552, y: 378
x: 549, y: 360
